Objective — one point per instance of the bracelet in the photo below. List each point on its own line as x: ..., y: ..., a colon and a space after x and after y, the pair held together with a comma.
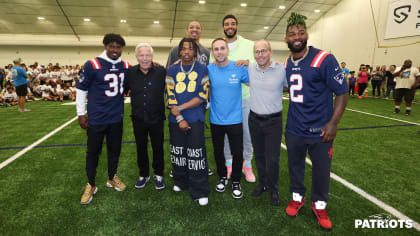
x: 179, y: 108
x: 179, y: 119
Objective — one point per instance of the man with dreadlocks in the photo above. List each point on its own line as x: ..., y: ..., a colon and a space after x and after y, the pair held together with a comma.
x: 313, y: 77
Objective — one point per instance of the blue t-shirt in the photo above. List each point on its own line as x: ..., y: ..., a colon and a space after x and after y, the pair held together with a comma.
x: 104, y: 83
x: 182, y: 87
x: 346, y: 71
x: 19, y: 76
x: 226, y: 93
x: 312, y: 82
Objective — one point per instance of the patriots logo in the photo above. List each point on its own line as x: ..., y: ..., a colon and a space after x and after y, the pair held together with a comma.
x: 81, y: 77
x: 339, y: 78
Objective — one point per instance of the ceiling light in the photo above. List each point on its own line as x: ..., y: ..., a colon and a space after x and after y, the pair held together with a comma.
x: 201, y: 2
x: 265, y: 27
x: 41, y: 18
x: 86, y: 19
x: 317, y: 11
x: 282, y: 7
x: 243, y: 4
x: 156, y: 0
x: 123, y: 21
x: 156, y: 22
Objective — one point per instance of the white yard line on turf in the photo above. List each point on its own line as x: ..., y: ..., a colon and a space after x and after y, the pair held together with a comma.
x: 385, y: 117
x: 28, y: 148
x: 369, y: 197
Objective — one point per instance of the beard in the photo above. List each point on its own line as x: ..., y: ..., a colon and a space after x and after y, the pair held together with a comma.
x: 298, y: 49
x: 230, y: 36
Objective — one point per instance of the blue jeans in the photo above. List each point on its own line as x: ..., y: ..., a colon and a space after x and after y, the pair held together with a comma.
x: 247, y: 153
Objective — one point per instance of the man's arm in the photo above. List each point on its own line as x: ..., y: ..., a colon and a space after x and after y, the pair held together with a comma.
x: 329, y: 131
x: 416, y: 83
x: 195, y: 102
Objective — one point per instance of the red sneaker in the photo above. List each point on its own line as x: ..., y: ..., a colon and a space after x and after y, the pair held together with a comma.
x: 293, y: 208
x: 322, y: 217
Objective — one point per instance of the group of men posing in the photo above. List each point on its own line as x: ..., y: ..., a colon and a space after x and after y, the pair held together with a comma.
x: 243, y: 87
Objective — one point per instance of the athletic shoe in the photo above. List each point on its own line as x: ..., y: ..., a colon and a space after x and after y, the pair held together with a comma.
x: 237, y: 190
x: 177, y: 189
x: 220, y: 187
x: 88, y: 194
x: 396, y: 111
x: 229, y: 168
x: 295, y: 205
x: 159, y: 183
x: 407, y: 112
x: 249, y: 175
x: 210, y: 172
x: 275, y: 198
x: 142, y: 182
x: 23, y: 110
x: 321, y: 214
x: 366, y: 95
x: 258, y: 191
x: 203, y: 201
x: 116, y: 183
x: 171, y: 174
x: 360, y: 97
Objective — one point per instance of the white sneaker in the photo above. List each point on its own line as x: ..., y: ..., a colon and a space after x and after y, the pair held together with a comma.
x: 177, y: 189
x: 203, y: 201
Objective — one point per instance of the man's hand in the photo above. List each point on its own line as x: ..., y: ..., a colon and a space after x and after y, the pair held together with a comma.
x: 241, y: 63
x: 83, y: 122
x: 184, y: 126
x: 156, y: 64
x: 174, y: 111
x: 329, y: 132
x: 176, y: 62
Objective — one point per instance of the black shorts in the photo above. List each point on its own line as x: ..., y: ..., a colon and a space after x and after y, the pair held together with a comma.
x: 408, y: 95
x: 22, y: 90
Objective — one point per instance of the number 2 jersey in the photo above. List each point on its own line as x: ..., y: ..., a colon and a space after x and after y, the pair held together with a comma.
x: 104, y: 82
x: 312, y: 82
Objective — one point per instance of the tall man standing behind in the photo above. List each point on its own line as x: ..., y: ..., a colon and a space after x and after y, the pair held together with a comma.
x: 146, y: 83
x: 407, y: 80
x: 21, y: 84
x: 103, y: 79
x: 266, y: 82
x: 239, y: 49
x: 313, y: 77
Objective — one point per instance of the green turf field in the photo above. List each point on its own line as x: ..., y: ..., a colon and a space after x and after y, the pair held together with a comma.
x: 41, y: 190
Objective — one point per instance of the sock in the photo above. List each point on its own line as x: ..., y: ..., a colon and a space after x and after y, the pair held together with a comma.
x: 397, y: 107
x: 408, y: 108
x: 229, y: 162
x: 297, y: 197
x: 320, y: 205
x: 247, y: 163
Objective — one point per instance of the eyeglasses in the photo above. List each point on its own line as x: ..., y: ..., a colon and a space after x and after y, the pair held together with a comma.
x: 262, y: 51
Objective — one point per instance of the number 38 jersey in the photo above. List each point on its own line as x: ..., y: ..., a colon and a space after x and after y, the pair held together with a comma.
x: 104, y: 83
x: 312, y: 82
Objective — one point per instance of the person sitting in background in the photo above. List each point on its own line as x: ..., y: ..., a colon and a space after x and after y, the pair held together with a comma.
x: 65, y: 93
x: 43, y: 77
x: 362, y: 79
x: 352, y: 83
x: 55, y: 91
x: 10, y: 96
x: 390, y: 82
x: 37, y: 89
x: 46, y: 92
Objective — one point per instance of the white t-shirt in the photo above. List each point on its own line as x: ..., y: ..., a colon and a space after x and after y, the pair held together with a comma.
x: 408, y: 77
x: 11, y: 96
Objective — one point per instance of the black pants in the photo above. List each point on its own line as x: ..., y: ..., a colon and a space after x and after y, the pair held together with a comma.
x: 266, y: 140
x: 320, y: 154
x: 351, y: 89
x: 141, y: 132
x: 235, y: 136
x: 189, y: 159
x: 362, y: 87
x: 96, y: 134
x: 376, y: 86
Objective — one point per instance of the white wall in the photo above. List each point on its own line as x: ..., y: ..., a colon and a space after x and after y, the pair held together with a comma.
x: 348, y: 32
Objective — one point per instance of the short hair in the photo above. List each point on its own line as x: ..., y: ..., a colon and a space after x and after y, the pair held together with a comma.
x: 110, y: 38
x: 218, y: 39
x: 194, y: 21
x: 188, y: 40
x: 141, y: 45
x: 263, y: 40
x: 230, y: 16
x: 296, y: 19
x: 343, y: 62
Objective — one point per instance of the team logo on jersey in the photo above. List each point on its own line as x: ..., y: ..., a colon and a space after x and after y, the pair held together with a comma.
x: 339, y: 78
x: 82, y: 77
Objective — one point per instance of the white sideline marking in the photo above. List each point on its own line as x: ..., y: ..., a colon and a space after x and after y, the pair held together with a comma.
x: 366, y: 195
x: 28, y: 148
x: 385, y: 117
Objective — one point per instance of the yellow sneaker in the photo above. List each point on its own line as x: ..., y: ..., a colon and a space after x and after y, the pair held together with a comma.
x: 88, y: 194
x: 116, y: 184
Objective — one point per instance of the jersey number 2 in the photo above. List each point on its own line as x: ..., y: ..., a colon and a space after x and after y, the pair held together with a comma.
x: 113, y: 84
x: 296, y: 79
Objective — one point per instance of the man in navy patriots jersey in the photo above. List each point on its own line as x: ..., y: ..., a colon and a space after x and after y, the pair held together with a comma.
x: 313, y: 76
x: 102, y: 80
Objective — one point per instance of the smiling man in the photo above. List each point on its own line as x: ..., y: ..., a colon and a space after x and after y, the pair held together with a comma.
x: 146, y: 83
x: 313, y: 76
x: 102, y: 79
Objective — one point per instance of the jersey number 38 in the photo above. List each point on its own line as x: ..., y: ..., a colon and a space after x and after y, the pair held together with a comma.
x: 114, y: 86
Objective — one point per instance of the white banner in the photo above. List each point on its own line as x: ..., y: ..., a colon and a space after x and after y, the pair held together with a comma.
x: 403, y: 19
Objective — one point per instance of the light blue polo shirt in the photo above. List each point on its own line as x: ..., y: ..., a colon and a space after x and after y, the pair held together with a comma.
x: 225, y: 93
x: 19, y: 76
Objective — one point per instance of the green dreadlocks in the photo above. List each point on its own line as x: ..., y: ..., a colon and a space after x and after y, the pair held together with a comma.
x: 296, y: 19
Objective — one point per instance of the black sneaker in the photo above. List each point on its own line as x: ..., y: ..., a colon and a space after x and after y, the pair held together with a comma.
x: 220, y: 187
x: 407, y: 112
x: 237, y: 190
x: 275, y: 198
x: 159, y: 183
x: 210, y: 172
x: 142, y: 182
x: 396, y: 111
x: 259, y: 190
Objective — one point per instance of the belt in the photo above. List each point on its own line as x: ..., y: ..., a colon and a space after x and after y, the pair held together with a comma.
x: 265, y: 117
